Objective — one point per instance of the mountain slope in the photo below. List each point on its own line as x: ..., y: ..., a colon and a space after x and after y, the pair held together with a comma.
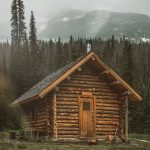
x: 97, y: 23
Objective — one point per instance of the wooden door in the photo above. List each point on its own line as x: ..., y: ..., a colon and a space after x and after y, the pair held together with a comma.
x: 87, y: 117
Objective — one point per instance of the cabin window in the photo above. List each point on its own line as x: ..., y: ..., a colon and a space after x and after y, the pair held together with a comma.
x: 86, y: 105
x: 33, y: 113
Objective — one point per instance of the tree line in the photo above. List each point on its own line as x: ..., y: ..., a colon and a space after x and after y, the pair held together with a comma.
x: 27, y: 60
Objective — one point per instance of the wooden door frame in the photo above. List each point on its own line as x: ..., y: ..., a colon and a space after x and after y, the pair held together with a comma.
x: 94, y: 113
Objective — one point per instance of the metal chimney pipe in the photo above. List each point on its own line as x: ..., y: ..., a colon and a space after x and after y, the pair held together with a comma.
x: 89, y: 46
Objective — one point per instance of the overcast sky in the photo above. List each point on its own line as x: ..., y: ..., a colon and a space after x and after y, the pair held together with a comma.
x: 44, y: 9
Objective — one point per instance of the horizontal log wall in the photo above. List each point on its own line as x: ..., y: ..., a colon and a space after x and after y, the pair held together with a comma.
x: 108, y: 103
x: 40, y: 122
x: 49, y: 115
x: 44, y: 115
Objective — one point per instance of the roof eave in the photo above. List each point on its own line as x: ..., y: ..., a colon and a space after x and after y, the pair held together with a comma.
x: 25, y: 100
x: 90, y: 55
x: 134, y: 94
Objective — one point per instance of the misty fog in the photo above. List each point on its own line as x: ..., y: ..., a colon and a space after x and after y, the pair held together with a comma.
x: 46, y: 9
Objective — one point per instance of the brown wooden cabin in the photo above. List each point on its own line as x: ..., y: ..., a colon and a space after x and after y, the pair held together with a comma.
x: 85, y: 99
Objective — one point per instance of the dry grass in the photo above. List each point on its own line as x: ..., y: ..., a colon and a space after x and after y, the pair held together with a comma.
x: 133, y: 145
x: 53, y: 146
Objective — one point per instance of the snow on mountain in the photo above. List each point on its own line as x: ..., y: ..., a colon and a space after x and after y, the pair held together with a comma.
x: 97, y: 23
x: 145, y: 39
x: 77, y: 17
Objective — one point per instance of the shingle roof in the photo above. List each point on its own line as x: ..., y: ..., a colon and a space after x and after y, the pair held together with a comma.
x: 36, y: 89
x: 52, y: 80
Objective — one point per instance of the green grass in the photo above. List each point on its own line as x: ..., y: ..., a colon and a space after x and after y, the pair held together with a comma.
x: 54, y: 146
x: 133, y: 145
x: 140, y: 136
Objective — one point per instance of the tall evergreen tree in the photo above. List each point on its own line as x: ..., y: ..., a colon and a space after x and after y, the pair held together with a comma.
x: 148, y: 63
x: 18, y: 32
x: 21, y: 23
x: 146, y: 110
x: 58, y: 60
x: 33, y: 34
x: 14, y: 24
x: 19, y: 41
x: 128, y: 63
x: 36, y: 68
x: 130, y: 75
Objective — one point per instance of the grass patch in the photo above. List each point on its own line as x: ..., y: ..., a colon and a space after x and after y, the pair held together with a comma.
x: 140, y: 136
x: 55, y: 146
x: 6, y: 146
x: 133, y: 145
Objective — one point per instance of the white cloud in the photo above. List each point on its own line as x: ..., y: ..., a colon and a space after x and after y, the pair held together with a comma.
x: 65, y: 19
x: 44, y: 9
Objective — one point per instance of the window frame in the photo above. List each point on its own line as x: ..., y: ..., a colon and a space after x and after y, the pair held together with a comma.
x: 86, y: 106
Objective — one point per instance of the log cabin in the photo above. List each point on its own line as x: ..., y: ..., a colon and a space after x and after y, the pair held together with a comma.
x: 83, y: 100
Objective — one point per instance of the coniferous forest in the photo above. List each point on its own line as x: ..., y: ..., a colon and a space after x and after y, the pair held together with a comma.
x: 26, y: 60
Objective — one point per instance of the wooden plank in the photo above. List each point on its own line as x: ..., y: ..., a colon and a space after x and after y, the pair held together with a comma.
x: 106, y: 96
x: 107, y: 115
x: 107, y: 108
x: 87, y: 93
x: 108, y: 122
x: 85, y: 81
x: 68, y: 136
x: 67, y: 118
x: 67, y: 129
x: 71, y: 133
x: 102, y: 95
x: 55, y: 114
x: 108, y: 119
x: 69, y: 102
x: 80, y: 115
x: 107, y: 105
x: 67, y: 96
x: 126, y: 118
x: 94, y: 109
x: 107, y: 100
x: 67, y: 107
x: 81, y: 85
x: 108, y: 112
x: 67, y: 110
x: 106, y: 129
x: 69, y: 125
x: 106, y: 133
x: 89, y: 90
x: 106, y: 126
x: 67, y: 114
x: 74, y: 95
x: 67, y: 121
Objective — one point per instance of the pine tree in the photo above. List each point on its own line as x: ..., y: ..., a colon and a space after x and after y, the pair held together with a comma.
x: 130, y: 75
x: 4, y: 67
x: 58, y: 60
x: 19, y: 44
x: 71, y: 40
x: 21, y: 23
x: 128, y: 63
x: 18, y: 32
x: 148, y: 63
x: 33, y: 35
x: 146, y: 106
x: 14, y: 24
x: 36, y: 62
